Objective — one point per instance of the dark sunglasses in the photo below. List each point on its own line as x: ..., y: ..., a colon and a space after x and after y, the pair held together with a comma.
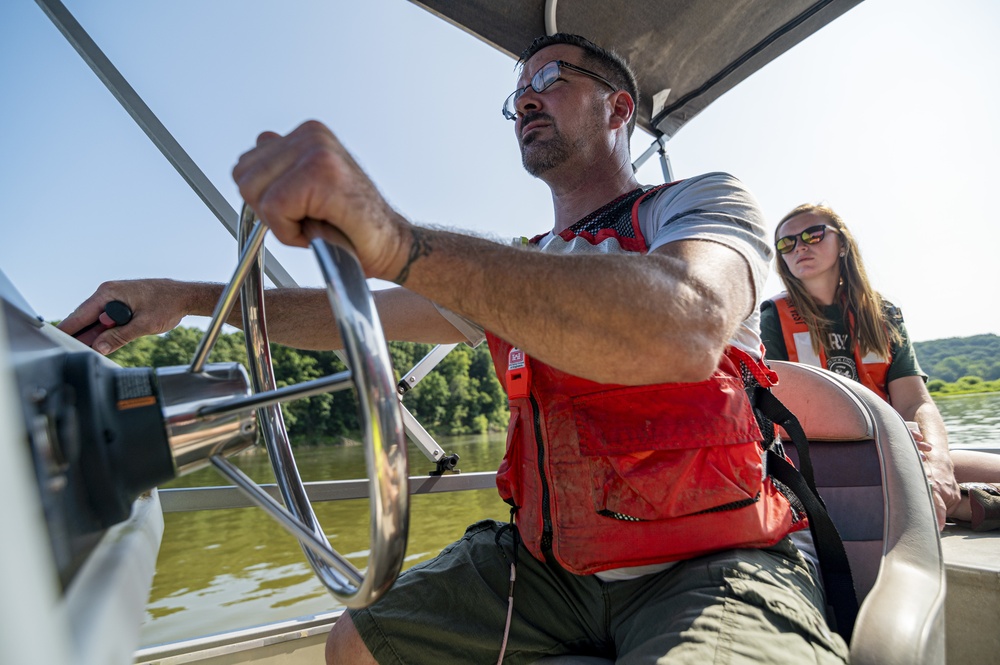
x: 810, y: 236
x: 545, y: 77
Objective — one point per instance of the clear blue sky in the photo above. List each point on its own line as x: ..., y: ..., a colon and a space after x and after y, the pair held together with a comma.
x: 888, y: 114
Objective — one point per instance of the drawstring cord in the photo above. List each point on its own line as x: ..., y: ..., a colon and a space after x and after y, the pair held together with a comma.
x: 513, y: 576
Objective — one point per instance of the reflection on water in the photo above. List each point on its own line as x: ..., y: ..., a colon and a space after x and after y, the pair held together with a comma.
x: 972, y: 420
x: 226, y: 569
x: 220, y: 570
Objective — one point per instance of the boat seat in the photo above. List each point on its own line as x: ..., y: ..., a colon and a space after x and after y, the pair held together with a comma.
x: 869, y: 474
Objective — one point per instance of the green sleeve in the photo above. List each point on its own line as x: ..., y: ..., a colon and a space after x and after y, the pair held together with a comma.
x: 770, y: 332
x: 904, y: 358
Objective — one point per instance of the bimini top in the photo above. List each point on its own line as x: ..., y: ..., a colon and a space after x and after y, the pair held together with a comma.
x: 686, y: 53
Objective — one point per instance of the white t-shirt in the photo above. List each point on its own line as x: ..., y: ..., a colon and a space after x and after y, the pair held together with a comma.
x: 715, y: 207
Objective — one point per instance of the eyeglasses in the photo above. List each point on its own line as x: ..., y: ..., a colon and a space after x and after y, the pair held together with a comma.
x: 545, y: 77
x: 810, y: 236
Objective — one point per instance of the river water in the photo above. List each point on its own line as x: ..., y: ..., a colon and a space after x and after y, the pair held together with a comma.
x: 973, y: 420
x: 227, y: 569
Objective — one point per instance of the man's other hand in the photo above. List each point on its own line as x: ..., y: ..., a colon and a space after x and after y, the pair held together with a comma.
x: 157, y: 305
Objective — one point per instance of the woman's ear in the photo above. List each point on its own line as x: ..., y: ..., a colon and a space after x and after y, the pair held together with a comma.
x: 622, y: 108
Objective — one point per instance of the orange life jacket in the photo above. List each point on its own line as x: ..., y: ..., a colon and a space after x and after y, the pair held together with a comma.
x: 609, y: 476
x: 872, y: 369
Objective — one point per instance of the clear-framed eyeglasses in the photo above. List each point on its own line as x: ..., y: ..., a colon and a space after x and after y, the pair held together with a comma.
x: 545, y: 77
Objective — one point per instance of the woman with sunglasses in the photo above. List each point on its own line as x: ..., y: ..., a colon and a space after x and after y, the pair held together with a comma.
x: 831, y: 317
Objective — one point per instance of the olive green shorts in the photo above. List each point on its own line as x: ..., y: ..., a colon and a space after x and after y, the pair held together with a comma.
x: 737, y: 606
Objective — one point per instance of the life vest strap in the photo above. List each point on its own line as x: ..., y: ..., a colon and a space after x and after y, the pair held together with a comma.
x: 835, y: 567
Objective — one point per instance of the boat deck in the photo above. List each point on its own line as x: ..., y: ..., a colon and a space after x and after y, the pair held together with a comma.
x: 972, y: 606
x: 972, y: 562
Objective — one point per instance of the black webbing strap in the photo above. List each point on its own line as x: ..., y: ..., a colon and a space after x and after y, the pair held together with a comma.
x: 772, y: 407
x: 838, y: 583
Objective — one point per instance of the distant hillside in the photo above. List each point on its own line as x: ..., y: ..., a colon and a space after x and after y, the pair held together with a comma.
x: 952, y: 358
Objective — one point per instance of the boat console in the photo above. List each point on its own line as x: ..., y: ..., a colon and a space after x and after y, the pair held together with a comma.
x: 86, y: 442
x: 83, y: 529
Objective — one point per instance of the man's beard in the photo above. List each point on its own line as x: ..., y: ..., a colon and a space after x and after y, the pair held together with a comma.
x: 541, y: 155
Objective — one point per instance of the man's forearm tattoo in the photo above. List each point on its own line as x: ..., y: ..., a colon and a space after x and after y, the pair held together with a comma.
x: 421, y: 247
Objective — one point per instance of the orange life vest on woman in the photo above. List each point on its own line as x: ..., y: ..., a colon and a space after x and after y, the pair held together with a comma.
x: 609, y: 476
x: 872, y: 369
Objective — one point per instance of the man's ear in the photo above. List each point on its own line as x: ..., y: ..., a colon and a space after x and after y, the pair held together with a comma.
x: 622, y: 108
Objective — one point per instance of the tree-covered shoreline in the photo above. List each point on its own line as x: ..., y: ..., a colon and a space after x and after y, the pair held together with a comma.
x: 961, y: 365
x: 461, y: 396
x: 967, y: 385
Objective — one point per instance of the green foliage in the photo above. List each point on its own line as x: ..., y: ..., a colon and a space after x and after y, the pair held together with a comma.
x: 138, y: 353
x: 952, y: 358
x: 461, y: 396
x: 964, y: 386
x: 961, y: 365
x: 935, y: 385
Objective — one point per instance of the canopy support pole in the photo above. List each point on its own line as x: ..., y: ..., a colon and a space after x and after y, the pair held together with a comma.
x: 161, y: 137
x: 659, y: 145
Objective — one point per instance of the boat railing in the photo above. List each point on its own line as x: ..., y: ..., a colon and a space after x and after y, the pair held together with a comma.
x: 186, y: 499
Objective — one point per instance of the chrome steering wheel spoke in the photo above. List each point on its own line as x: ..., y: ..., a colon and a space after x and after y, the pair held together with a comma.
x: 379, y: 411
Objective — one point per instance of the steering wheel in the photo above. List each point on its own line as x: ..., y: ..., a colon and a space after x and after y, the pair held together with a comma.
x: 370, y: 374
